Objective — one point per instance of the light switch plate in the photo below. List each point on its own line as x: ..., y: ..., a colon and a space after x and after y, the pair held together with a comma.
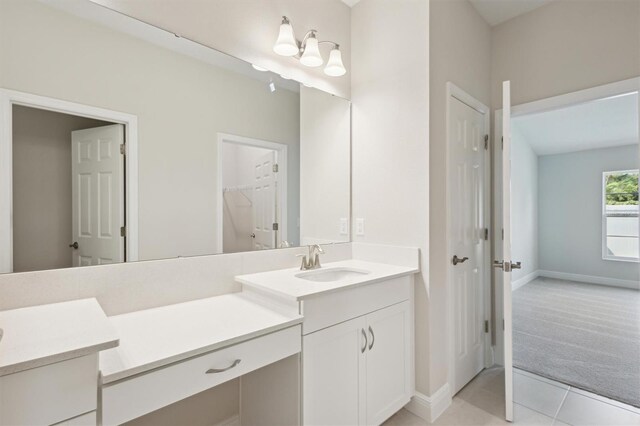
x: 344, y: 226
x: 360, y: 226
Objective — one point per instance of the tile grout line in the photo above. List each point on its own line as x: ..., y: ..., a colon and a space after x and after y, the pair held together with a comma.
x: 555, y: 417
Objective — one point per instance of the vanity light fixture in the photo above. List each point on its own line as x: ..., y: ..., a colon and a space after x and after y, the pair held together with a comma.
x: 308, y: 50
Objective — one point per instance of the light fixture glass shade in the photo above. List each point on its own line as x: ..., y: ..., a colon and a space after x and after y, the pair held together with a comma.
x: 334, y: 67
x: 286, y: 43
x: 311, y: 56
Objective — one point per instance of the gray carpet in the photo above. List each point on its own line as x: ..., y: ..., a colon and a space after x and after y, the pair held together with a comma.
x: 584, y: 335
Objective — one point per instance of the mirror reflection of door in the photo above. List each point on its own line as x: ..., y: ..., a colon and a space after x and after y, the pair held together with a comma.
x: 253, y: 198
x: 98, y: 204
x: 45, y: 202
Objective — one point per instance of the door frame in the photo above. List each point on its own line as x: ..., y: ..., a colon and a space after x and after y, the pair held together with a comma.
x: 9, y: 98
x: 282, y: 160
x: 455, y: 92
x: 560, y: 101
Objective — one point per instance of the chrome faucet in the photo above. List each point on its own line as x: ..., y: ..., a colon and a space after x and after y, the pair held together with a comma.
x: 312, y: 261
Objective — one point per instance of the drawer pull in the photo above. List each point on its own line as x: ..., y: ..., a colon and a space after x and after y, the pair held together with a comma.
x: 221, y: 370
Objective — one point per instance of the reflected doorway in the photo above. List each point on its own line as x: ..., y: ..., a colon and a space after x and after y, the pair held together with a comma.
x: 68, y: 190
x: 252, y: 188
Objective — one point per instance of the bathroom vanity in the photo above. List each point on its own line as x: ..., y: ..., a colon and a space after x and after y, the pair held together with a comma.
x: 357, y: 337
x: 346, y: 330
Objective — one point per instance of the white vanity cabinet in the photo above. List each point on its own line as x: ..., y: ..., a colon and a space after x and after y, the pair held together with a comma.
x: 359, y: 371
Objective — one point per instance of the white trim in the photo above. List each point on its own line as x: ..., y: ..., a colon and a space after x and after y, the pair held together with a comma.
x: 8, y: 98
x: 431, y: 407
x: 283, y: 161
x: 454, y: 92
x: 524, y: 280
x: 590, y: 279
x: 579, y: 97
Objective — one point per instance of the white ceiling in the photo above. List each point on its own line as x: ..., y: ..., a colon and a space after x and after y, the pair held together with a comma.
x: 497, y: 11
x: 599, y: 124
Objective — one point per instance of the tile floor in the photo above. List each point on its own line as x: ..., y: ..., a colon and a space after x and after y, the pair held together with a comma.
x: 537, y: 401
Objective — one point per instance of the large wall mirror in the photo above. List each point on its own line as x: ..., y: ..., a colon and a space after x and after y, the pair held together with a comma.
x: 120, y: 141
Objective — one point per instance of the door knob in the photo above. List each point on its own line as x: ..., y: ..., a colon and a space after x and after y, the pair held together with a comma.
x: 74, y: 245
x: 457, y: 260
x: 517, y: 265
x: 252, y: 235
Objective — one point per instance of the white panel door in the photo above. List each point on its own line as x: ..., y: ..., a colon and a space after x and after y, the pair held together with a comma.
x: 388, y: 382
x: 264, y: 203
x: 97, y: 195
x: 507, y: 263
x: 333, y: 374
x: 467, y: 197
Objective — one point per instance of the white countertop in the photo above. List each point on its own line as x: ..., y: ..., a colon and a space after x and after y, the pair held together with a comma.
x: 41, y: 335
x: 156, y: 337
x: 284, y: 283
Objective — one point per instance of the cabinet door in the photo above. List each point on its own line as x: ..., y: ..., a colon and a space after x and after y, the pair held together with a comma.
x: 388, y: 362
x: 332, y: 360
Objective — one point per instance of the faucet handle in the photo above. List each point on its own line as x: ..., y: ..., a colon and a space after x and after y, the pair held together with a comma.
x: 317, y: 248
x: 304, y: 263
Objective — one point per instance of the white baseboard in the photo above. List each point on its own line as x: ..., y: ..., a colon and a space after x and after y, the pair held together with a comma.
x: 231, y: 421
x: 524, y: 280
x: 590, y: 279
x: 429, y: 408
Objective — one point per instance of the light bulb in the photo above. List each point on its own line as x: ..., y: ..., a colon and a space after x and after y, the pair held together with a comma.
x: 334, y: 67
x: 286, y: 44
x: 311, y: 56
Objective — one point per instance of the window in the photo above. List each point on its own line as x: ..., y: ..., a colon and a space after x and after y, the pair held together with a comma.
x: 620, y: 216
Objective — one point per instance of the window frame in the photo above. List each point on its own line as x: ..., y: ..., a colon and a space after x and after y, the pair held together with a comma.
x: 605, y: 254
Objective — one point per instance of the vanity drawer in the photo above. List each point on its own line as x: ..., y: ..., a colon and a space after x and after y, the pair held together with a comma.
x: 130, y: 398
x: 326, y: 310
x: 51, y: 393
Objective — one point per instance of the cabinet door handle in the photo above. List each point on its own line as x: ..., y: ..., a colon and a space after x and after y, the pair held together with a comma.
x: 365, y: 340
x: 221, y: 370
x: 373, y: 338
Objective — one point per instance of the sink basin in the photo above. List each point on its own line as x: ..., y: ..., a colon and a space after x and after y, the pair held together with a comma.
x: 331, y: 274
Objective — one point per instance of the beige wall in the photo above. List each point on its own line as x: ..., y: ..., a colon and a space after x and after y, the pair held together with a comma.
x: 181, y: 105
x: 42, y: 187
x: 459, y: 53
x: 247, y: 29
x: 390, y: 137
x: 325, y: 166
x: 565, y: 46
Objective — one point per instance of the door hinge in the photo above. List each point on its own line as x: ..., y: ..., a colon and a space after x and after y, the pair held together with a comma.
x: 486, y: 326
x: 502, y: 234
x: 123, y: 150
x: 275, y: 226
x: 123, y: 231
x: 502, y: 142
x: 486, y: 141
x: 503, y: 324
x: 275, y: 168
x: 486, y: 233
